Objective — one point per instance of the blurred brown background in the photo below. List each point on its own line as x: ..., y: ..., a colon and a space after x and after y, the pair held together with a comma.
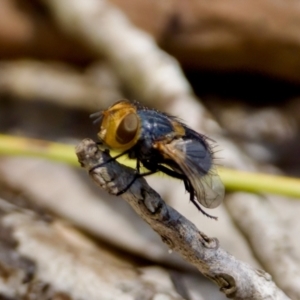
x: 241, y: 60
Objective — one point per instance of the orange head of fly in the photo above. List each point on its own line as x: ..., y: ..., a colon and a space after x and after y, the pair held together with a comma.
x: 120, y: 126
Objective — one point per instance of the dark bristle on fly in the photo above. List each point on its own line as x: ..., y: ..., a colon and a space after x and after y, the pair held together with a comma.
x: 97, y: 116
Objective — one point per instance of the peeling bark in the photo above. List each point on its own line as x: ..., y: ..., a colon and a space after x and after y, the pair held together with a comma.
x: 235, y: 279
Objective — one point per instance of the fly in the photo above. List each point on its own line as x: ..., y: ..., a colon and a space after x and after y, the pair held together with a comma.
x: 161, y: 142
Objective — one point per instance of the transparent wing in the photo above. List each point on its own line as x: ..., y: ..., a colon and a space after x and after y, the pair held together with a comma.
x: 194, y: 159
x: 209, y: 189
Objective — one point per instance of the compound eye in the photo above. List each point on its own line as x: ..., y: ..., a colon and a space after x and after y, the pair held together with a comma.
x: 127, y: 129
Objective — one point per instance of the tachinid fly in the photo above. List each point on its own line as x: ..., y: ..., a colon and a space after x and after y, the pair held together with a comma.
x: 161, y: 142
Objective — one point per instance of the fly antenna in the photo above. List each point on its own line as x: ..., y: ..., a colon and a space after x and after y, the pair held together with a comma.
x: 97, y: 116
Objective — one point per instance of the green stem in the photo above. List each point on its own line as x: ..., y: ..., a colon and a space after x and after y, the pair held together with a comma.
x: 233, y: 180
x: 19, y: 146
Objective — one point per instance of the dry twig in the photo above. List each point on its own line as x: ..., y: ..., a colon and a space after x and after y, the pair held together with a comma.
x: 33, y: 80
x: 43, y: 258
x: 235, y: 278
x: 260, y: 224
x: 149, y: 72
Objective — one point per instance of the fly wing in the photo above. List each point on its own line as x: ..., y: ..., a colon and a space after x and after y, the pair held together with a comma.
x: 194, y: 159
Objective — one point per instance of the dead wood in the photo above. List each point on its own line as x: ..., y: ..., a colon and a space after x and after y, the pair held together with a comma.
x: 235, y: 278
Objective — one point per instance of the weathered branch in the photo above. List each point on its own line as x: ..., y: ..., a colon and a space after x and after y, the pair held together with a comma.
x: 41, y: 257
x: 279, y: 247
x: 235, y: 278
x: 65, y: 85
x: 149, y: 72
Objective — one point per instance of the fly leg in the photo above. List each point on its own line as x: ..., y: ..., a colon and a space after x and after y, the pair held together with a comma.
x: 153, y: 168
x: 191, y: 191
x: 135, y: 177
x: 187, y: 185
x: 170, y: 172
x: 106, y: 162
